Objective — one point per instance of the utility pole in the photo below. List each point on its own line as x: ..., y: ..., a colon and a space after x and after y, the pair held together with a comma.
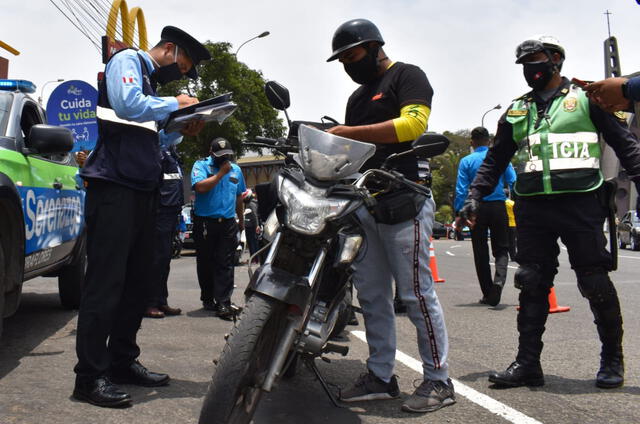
x: 608, y: 24
x: 611, y: 54
x: 609, y: 164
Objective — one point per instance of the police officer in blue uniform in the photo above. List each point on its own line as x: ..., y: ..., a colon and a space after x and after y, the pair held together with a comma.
x: 219, y: 185
x: 171, y: 200
x: 122, y: 176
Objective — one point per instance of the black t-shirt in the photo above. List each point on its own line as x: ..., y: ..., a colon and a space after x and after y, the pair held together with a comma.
x: 381, y: 100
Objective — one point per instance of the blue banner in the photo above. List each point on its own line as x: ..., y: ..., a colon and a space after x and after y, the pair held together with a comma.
x: 73, y: 105
x: 51, y: 217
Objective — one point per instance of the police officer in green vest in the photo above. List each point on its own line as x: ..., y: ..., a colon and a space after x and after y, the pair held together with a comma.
x: 553, y: 132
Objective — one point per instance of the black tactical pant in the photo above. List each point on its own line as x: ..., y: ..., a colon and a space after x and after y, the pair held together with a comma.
x: 491, y: 216
x: 216, y: 241
x: 120, y: 226
x: 166, y: 224
x: 577, y: 219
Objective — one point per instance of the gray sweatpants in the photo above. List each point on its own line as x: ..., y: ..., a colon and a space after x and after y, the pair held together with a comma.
x: 400, y: 252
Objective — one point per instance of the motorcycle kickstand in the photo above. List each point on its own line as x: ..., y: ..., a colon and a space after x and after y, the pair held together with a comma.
x: 311, y: 363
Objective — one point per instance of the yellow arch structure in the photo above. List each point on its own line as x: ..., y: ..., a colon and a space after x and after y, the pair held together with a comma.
x: 8, y: 48
x: 128, y: 19
x: 136, y: 14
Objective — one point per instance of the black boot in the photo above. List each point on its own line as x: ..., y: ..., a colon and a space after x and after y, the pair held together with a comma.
x: 526, y: 370
x: 608, y: 320
x: 518, y: 375
x: 611, y: 372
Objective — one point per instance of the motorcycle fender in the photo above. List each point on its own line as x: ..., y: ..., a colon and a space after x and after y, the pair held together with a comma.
x: 280, y: 285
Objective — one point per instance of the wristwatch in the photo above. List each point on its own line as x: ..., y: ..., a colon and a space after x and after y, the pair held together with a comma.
x: 625, y: 89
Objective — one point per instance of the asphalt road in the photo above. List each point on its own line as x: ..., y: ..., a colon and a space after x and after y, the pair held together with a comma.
x: 37, y: 356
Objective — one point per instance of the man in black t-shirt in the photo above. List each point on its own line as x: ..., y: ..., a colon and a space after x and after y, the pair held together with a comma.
x: 390, y: 109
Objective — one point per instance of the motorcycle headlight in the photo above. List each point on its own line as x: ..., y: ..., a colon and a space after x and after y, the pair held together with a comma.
x: 307, y: 208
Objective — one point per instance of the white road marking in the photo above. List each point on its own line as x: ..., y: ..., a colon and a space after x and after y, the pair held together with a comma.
x: 473, y: 395
x: 455, y: 245
x: 449, y: 253
x: 508, y: 266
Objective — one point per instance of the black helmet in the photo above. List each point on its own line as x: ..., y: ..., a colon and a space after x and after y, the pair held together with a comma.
x: 353, y: 33
x: 538, y: 43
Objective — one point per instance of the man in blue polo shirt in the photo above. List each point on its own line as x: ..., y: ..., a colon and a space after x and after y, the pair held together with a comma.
x: 492, y: 216
x: 219, y: 185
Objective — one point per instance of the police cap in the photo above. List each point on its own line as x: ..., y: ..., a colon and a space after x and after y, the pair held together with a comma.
x: 192, y: 47
x: 220, y: 147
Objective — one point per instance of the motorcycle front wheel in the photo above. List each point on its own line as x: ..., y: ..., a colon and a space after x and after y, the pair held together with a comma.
x: 236, y: 386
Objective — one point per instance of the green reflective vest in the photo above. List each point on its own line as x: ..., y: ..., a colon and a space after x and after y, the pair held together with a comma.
x: 558, y: 153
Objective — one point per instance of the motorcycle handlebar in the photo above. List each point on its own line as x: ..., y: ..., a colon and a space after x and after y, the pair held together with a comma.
x: 390, y: 176
x: 267, y: 140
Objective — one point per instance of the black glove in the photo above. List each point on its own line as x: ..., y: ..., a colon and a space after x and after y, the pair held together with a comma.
x: 470, y: 209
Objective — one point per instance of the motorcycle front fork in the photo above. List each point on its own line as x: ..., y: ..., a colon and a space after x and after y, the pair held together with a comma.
x: 295, y: 324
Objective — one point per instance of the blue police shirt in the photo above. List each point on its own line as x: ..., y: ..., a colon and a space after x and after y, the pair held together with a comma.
x: 467, y: 169
x: 124, y: 89
x: 220, y: 201
x: 633, y: 87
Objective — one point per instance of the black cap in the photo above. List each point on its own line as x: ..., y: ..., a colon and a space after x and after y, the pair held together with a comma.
x: 353, y: 33
x: 479, y: 133
x: 194, y: 49
x: 220, y: 147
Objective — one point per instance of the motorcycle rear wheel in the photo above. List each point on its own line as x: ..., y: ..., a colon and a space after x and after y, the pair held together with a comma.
x: 235, y: 389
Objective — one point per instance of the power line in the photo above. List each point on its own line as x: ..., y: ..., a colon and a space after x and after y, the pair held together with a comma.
x: 83, y: 22
x: 75, y: 25
x: 90, y: 17
x: 107, y: 10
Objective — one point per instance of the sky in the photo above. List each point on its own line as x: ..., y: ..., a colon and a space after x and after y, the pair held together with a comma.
x: 466, y: 47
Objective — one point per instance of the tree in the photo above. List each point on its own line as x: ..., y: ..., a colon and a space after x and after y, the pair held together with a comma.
x: 253, y: 117
x: 445, y: 171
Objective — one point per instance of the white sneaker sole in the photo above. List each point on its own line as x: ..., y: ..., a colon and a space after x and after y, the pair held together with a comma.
x: 370, y: 396
x: 446, y: 402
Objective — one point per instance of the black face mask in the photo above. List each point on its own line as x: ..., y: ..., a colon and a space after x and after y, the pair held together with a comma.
x: 538, y: 74
x: 365, y: 70
x: 218, y: 161
x: 167, y: 73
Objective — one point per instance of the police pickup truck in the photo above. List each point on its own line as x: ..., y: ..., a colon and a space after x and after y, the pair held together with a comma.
x: 41, y: 206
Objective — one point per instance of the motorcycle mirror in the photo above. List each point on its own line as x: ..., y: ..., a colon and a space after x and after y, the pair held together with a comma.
x: 430, y: 145
x: 277, y: 94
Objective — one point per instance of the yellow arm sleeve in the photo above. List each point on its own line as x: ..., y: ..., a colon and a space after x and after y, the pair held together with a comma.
x: 412, y: 122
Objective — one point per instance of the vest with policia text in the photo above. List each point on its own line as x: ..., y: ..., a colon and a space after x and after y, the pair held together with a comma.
x: 126, y: 152
x: 558, y: 152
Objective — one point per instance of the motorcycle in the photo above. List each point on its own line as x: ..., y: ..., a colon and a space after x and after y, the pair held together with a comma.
x: 300, y: 296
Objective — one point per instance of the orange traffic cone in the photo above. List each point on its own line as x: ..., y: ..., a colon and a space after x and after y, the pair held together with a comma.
x: 553, y: 303
x: 432, y: 263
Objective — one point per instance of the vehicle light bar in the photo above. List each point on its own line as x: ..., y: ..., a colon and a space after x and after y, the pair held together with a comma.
x: 23, y: 86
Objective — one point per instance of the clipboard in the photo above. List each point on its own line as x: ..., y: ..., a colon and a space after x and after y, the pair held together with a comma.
x: 216, y: 109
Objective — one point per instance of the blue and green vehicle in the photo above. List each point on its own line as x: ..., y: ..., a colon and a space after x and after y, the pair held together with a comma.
x: 42, y: 231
